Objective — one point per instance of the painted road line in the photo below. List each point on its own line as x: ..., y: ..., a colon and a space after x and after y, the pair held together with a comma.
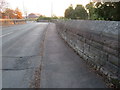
x: 6, y: 34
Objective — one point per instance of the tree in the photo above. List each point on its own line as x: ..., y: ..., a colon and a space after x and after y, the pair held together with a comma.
x: 18, y: 14
x: 116, y: 10
x: 3, y: 5
x: 104, y: 11
x: 9, y: 13
x: 91, y: 10
x: 80, y: 12
x: 96, y: 11
x: 108, y: 10
x: 69, y: 12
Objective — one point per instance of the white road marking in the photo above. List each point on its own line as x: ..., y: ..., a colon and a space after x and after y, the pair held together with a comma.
x: 6, y: 34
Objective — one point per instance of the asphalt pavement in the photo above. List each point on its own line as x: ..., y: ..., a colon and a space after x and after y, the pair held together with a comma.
x: 21, y: 48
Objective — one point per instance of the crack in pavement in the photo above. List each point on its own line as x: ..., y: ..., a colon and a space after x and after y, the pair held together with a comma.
x: 19, y: 56
x: 15, y: 69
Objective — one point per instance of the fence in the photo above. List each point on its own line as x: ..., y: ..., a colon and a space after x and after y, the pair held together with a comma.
x: 12, y: 21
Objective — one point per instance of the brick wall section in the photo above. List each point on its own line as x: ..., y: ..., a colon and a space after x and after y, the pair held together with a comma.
x: 95, y: 41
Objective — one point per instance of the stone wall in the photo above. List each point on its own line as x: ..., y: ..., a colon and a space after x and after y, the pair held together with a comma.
x: 96, y: 42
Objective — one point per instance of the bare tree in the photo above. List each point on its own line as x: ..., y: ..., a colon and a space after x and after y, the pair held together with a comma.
x: 3, y: 5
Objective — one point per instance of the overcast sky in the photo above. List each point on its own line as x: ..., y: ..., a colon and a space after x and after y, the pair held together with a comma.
x: 44, y: 6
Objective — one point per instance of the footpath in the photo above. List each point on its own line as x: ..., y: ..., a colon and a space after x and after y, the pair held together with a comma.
x: 63, y: 68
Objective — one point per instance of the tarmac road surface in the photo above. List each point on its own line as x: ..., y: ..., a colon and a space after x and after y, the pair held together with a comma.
x: 21, y: 54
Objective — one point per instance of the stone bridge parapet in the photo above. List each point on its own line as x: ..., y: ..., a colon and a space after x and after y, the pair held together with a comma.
x: 97, y: 42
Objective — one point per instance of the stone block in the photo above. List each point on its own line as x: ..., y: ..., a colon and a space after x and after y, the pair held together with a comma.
x: 110, y: 50
x: 113, y: 59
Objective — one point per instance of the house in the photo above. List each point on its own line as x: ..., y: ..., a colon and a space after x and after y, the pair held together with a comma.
x: 33, y: 15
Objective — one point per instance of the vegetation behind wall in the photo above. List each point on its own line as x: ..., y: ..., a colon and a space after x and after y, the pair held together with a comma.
x: 95, y: 11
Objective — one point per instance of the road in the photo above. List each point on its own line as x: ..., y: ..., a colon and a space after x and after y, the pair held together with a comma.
x: 34, y: 55
x: 21, y: 54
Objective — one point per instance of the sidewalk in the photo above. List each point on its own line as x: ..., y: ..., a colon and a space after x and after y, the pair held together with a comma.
x: 63, y: 68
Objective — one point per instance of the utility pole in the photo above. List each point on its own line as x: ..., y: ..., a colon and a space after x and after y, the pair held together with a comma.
x: 25, y: 11
x: 51, y: 9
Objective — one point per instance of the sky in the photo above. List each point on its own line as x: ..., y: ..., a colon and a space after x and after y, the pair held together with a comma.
x: 45, y: 7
